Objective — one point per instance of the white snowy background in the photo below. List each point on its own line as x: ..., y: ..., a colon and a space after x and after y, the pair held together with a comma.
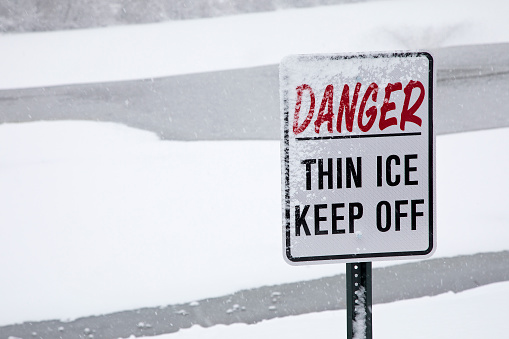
x: 98, y: 217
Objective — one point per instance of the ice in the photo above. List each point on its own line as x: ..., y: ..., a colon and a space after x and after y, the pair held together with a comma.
x: 104, y: 216
x: 446, y: 316
x: 146, y: 215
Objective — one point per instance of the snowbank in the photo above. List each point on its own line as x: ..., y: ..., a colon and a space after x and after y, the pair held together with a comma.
x: 99, y: 217
x: 192, y: 46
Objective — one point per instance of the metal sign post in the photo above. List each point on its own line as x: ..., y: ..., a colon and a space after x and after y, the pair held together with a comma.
x: 359, y: 300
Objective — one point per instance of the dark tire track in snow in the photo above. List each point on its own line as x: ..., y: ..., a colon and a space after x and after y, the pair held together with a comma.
x: 471, y: 94
x: 393, y: 283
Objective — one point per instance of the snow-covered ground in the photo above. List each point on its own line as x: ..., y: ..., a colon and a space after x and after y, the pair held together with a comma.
x: 479, y: 313
x: 154, y: 50
x: 98, y: 217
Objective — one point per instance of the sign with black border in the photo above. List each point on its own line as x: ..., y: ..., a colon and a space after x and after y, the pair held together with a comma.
x: 358, y: 155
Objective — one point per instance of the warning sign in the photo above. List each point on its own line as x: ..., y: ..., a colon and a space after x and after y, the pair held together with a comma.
x: 358, y: 157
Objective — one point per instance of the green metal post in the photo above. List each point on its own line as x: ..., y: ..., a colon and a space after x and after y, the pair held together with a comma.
x: 359, y: 300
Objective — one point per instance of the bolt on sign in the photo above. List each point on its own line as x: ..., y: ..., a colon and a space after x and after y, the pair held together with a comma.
x: 358, y: 151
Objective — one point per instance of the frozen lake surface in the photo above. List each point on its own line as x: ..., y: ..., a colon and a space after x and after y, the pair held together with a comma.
x: 98, y: 217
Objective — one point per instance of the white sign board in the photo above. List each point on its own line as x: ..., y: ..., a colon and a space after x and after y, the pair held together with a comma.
x: 358, y: 152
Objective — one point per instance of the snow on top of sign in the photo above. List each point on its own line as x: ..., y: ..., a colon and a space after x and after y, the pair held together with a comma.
x: 383, y: 66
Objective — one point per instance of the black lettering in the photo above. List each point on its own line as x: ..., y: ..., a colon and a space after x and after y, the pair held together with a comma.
x: 322, y: 173
x: 379, y: 225
x: 336, y: 217
x: 352, y: 172
x: 318, y: 218
x: 352, y: 215
x: 339, y: 175
x: 399, y: 214
x: 308, y: 163
x: 409, y: 169
x: 379, y: 174
x: 300, y: 220
x: 388, y: 170
x: 414, y: 213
